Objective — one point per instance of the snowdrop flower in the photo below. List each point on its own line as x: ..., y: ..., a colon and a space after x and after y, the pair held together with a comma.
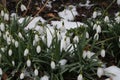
x: 52, y: 64
x: 87, y: 35
x: 13, y: 40
x: 23, y: 7
x: 2, y: 49
x: 118, y: 2
x: 28, y: 63
x: 98, y: 29
x: 106, y: 19
x: 96, y: 36
x: 8, y: 40
x: 2, y: 27
x: 38, y: 49
x: 6, y: 17
x: 36, y: 72
x: 94, y: 14
x: 22, y: 75
x: 113, y: 72
x: 2, y: 13
x: 45, y: 77
x: 84, y: 54
x: 16, y: 44
x: 94, y: 26
x: 10, y: 52
x: 100, y: 72
x: 117, y: 19
x: 13, y: 63
x: 80, y: 77
x: 90, y: 54
x: 102, y: 53
x: 62, y: 62
x: 37, y: 38
x: 76, y: 39
x: 20, y: 35
x: 26, y: 51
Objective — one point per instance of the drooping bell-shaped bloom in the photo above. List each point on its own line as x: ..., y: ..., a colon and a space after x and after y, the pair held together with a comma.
x: 100, y: 72
x: 106, y: 19
x: 38, y: 49
x: 26, y: 52
x: 22, y: 75
x: 80, y: 77
x: 96, y: 36
x: 28, y: 63
x: 23, y: 7
x: 2, y: 27
x: 45, y: 77
x: 52, y: 64
x: 102, y: 53
x: 98, y: 29
x: 6, y: 16
x: 10, y: 52
x: 62, y: 62
x: 2, y: 13
x: 36, y: 72
x: 16, y: 44
x: 1, y: 72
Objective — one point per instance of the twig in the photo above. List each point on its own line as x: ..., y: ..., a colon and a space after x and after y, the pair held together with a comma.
x: 27, y: 8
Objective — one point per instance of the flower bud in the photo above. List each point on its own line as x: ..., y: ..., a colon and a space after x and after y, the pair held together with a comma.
x: 80, y: 77
x: 13, y: 63
x: 16, y: 44
x: 102, y: 53
x: 76, y: 39
x: 22, y: 75
x: 2, y: 13
x: 52, y: 64
x: 98, y: 29
x: 62, y: 62
x: 26, y: 52
x: 2, y: 27
x: 106, y: 19
x: 28, y: 63
x: 10, y: 52
x: 87, y: 35
x: 6, y: 17
x: 1, y: 72
x: 100, y: 72
x: 36, y: 72
x: 38, y: 49
x: 23, y: 7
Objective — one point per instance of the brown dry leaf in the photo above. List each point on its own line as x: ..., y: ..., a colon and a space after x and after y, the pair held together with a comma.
x: 4, y: 76
x: 50, y: 15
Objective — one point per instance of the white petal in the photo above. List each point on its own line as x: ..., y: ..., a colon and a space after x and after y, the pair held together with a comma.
x: 36, y: 72
x: 22, y: 76
x: 52, y: 64
x: 102, y: 53
x: 62, y: 62
x: 100, y: 72
x: 80, y: 77
x: 28, y: 63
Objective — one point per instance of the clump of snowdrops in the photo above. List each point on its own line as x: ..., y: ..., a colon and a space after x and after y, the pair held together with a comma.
x: 51, y: 53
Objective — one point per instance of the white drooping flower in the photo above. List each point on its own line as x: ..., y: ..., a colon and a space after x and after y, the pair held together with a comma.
x: 52, y: 64
x: 28, y: 63
x: 62, y: 62
x: 16, y: 44
x: 100, y: 72
x: 8, y: 40
x: 2, y: 49
x: 87, y: 35
x: 13, y: 63
x: 34, y: 42
x: 6, y: 16
x: 2, y: 13
x: 2, y: 27
x: 96, y: 36
x: 59, y: 36
x: 84, y: 54
x: 37, y: 38
x: 20, y: 35
x: 22, y: 75
x: 13, y: 41
x: 94, y: 14
x: 98, y: 29
x: 80, y: 77
x: 45, y: 77
x: 1, y: 72
x: 94, y: 26
x: 118, y: 2
x: 10, y: 52
x: 23, y: 7
x: 76, y: 39
x: 38, y: 49
x: 102, y: 53
x: 26, y: 52
x: 90, y: 54
x: 36, y: 72
x: 106, y: 19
